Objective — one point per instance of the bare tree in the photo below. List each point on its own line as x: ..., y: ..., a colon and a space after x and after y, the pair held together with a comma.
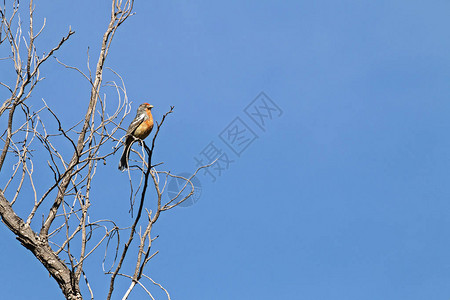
x: 66, y: 236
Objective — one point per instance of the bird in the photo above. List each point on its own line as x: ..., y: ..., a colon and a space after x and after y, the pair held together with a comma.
x: 140, y: 128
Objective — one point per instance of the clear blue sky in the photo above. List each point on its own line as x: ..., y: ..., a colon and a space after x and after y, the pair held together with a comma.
x: 343, y: 196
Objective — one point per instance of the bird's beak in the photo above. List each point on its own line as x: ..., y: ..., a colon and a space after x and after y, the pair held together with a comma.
x: 150, y: 106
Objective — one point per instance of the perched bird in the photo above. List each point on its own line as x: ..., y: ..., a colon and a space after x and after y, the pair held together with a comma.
x: 139, y: 128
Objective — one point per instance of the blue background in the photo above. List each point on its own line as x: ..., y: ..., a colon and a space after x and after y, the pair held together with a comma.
x: 344, y: 196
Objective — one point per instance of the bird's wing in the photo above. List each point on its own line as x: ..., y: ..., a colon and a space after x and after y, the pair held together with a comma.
x: 136, y: 122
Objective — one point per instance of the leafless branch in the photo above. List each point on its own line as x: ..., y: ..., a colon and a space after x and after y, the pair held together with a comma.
x: 66, y: 238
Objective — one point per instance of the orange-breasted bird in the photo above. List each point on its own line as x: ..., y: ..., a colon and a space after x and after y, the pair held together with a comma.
x: 139, y: 128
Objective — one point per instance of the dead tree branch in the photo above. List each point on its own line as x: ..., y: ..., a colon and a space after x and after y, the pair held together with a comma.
x: 66, y: 236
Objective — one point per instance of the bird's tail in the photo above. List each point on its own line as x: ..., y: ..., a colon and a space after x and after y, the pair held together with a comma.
x: 123, y: 164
